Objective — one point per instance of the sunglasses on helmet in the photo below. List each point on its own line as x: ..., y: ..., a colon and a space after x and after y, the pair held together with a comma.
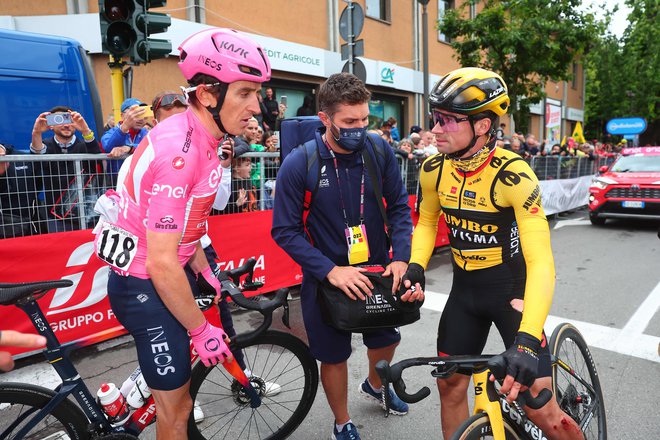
x: 170, y: 99
x: 448, y: 123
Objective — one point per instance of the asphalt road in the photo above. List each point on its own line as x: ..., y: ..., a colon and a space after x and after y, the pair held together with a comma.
x: 608, y: 284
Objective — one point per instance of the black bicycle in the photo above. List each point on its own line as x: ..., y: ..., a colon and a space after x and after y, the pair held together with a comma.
x: 575, y: 382
x: 282, y: 372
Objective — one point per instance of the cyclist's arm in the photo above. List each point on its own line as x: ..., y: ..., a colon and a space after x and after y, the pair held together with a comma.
x: 525, y: 198
x: 170, y: 280
x: 288, y: 230
x: 198, y: 262
x: 224, y: 190
x: 426, y: 230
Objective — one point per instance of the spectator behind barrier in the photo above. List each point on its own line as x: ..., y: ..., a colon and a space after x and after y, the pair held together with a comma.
x: 125, y: 136
x: 166, y: 104
x: 59, y: 176
x: 394, y: 131
x: 243, y: 196
x: 21, y: 213
x: 271, y: 166
x: 272, y: 110
x: 307, y: 108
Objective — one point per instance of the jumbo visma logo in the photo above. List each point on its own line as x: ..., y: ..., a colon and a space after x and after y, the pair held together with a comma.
x: 387, y: 75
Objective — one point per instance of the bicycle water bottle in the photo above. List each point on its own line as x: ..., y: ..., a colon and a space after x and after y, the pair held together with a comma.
x: 129, y: 383
x: 114, y: 404
x: 139, y: 394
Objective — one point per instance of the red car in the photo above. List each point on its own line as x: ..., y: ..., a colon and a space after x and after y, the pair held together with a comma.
x: 629, y: 188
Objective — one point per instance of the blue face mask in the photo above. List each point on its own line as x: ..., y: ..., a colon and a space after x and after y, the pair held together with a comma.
x: 351, y: 139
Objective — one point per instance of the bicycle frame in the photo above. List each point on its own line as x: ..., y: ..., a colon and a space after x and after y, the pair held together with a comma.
x: 497, y: 408
x: 72, y: 384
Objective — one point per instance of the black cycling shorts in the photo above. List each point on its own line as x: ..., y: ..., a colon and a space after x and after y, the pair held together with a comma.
x: 479, y: 299
x: 162, y: 343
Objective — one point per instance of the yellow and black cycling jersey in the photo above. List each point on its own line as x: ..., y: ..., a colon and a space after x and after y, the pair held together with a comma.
x: 494, y: 215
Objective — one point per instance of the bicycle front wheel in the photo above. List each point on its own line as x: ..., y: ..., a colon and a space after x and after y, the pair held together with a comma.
x: 478, y: 427
x: 283, y: 373
x: 575, y: 382
x: 20, y: 402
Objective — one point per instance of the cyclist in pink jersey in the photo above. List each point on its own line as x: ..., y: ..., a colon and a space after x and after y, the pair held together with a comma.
x: 164, y: 203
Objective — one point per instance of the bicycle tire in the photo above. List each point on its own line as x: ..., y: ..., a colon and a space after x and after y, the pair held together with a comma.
x: 567, y: 344
x: 477, y: 427
x: 19, y: 400
x: 273, y: 358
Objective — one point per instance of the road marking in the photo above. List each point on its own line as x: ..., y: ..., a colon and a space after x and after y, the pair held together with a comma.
x: 573, y: 222
x: 629, y: 341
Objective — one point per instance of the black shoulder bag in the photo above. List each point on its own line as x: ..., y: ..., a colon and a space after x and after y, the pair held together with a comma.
x: 382, y: 309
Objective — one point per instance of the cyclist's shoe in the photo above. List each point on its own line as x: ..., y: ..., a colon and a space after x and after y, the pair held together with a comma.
x: 349, y: 432
x: 270, y: 388
x: 397, y: 406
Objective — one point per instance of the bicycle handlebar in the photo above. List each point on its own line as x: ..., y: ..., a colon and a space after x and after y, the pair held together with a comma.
x: 229, y: 281
x: 449, y: 365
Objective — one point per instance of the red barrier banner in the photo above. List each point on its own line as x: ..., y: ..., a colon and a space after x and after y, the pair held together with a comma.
x: 82, y: 312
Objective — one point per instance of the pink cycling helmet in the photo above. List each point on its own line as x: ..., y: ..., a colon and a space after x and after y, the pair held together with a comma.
x: 224, y: 54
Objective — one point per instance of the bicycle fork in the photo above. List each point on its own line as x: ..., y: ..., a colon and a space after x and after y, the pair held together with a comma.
x: 487, y: 400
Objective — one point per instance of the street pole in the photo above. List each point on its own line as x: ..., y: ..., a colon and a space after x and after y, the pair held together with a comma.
x: 351, y: 38
x: 117, y: 84
x: 425, y: 61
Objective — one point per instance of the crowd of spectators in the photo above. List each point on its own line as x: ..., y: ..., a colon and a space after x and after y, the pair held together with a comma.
x: 39, y: 197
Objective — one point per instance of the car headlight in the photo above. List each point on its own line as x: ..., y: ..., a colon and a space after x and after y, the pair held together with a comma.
x: 598, y: 183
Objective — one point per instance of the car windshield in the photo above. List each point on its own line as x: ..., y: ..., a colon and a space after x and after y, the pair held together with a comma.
x: 636, y: 164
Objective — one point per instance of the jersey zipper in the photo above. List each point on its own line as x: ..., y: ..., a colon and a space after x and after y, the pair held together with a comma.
x: 460, y: 205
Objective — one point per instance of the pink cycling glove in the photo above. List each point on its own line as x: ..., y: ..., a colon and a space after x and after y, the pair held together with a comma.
x: 211, y: 280
x: 209, y: 342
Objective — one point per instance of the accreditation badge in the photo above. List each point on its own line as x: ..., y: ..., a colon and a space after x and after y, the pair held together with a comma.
x: 358, y: 247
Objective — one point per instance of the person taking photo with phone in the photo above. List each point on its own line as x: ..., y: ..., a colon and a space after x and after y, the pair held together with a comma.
x: 57, y: 175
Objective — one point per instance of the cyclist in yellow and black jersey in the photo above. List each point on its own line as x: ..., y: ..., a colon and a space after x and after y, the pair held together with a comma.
x: 500, y: 242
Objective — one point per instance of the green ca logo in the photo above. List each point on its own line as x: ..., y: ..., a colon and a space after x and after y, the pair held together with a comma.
x: 387, y: 75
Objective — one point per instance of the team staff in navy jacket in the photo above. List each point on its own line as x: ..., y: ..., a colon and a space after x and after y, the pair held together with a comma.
x: 336, y: 206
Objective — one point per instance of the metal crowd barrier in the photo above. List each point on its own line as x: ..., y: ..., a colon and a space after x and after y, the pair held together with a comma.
x: 53, y: 193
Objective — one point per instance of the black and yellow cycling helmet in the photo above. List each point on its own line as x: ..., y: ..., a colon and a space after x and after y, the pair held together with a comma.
x: 471, y: 91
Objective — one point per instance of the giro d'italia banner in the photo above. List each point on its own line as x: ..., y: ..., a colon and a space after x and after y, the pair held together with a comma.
x: 82, y: 312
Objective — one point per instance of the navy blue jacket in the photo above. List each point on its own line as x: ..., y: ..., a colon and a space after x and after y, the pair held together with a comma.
x: 325, y: 222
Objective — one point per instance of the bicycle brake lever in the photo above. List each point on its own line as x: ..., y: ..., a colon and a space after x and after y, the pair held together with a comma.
x: 285, y: 314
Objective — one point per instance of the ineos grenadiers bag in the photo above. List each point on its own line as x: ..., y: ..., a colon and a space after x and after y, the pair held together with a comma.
x: 381, y: 310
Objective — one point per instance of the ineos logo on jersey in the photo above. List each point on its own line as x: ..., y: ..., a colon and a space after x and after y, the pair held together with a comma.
x: 176, y: 192
x: 209, y: 62
x: 214, y: 177
x: 178, y: 163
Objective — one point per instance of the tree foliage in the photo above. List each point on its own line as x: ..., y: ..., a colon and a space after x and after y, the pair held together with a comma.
x: 527, y: 42
x: 623, y: 75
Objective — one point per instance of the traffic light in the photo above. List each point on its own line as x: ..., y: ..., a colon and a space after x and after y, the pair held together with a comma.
x: 145, y: 24
x: 126, y: 26
x: 117, y: 33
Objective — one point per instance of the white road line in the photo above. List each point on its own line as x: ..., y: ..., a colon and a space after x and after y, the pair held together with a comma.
x: 572, y: 222
x: 629, y: 341
x: 641, y: 318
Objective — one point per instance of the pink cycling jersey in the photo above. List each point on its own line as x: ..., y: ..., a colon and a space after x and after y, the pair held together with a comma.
x: 170, y: 186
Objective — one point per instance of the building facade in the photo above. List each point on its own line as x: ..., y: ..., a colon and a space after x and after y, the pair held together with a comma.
x: 302, y: 39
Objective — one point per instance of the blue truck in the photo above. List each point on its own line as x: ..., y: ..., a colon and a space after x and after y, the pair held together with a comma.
x: 37, y: 73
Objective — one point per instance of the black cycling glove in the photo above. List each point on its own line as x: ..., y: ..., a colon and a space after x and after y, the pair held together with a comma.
x: 522, y: 358
x: 415, y: 274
